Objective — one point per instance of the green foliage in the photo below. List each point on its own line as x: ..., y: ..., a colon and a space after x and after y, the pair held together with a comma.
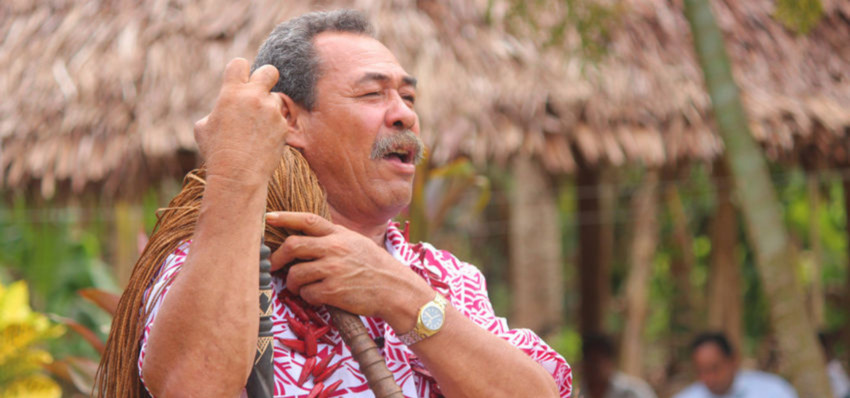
x: 799, y: 15
x: 568, y: 343
x: 21, y: 361
x: 57, y: 255
x: 832, y: 231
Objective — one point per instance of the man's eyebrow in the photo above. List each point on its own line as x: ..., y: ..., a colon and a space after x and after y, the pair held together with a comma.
x: 376, y: 76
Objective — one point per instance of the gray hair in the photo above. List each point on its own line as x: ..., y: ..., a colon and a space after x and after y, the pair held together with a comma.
x: 289, y: 48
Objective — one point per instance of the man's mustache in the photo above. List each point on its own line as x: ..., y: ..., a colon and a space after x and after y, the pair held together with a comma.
x: 405, y: 140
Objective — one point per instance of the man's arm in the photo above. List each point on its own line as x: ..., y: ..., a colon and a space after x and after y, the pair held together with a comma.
x: 204, y: 337
x: 349, y: 271
x: 468, y: 361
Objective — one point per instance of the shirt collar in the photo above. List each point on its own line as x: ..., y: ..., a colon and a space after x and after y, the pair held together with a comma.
x: 398, y: 246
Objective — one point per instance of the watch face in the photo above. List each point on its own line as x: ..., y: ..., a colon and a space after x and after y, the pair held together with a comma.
x: 432, y: 318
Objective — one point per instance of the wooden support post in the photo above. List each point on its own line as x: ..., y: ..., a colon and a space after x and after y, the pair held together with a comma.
x: 724, y: 295
x: 595, y: 205
x: 644, y: 242
x: 594, y: 250
x: 536, y: 271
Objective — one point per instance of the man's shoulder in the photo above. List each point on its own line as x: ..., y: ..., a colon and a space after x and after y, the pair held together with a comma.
x: 760, y: 377
x: 634, y: 386
x: 764, y: 381
x: 695, y: 390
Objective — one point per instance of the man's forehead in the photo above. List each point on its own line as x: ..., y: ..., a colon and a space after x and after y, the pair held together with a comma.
x: 710, y: 352
x: 385, y: 78
x: 361, y: 57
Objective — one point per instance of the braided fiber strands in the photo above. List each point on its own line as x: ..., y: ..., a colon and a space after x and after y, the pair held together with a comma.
x: 293, y: 187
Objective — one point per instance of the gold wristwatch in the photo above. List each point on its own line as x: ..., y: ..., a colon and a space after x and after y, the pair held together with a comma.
x: 431, y: 318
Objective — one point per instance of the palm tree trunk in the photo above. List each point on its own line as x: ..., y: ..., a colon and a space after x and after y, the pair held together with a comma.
x: 535, y: 245
x: 804, y: 360
x: 644, y: 243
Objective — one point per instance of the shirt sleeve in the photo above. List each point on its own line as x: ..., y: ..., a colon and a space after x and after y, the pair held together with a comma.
x: 469, y: 295
x: 156, y: 292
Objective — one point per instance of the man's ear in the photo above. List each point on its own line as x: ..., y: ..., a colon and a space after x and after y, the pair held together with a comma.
x: 295, y: 117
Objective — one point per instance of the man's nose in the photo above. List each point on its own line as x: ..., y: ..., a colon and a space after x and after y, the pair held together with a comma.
x: 399, y: 115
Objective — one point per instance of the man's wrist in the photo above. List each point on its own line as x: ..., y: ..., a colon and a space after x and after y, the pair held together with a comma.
x: 409, y: 316
x: 236, y: 178
x: 238, y: 168
x: 402, y: 315
x: 226, y: 197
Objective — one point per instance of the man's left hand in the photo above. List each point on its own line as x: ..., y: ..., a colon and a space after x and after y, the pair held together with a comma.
x: 339, y: 267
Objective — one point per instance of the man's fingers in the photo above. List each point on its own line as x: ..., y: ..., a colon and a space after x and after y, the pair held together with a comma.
x: 237, y: 71
x: 265, y: 76
x: 301, y: 275
x: 308, y: 223
x: 296, y: 248
x: 313, y: 293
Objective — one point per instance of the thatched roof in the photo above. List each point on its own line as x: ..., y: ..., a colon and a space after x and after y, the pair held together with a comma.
x: 104, y: 94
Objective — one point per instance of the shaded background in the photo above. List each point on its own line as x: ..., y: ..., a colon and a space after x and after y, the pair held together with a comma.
x: 573, y: 158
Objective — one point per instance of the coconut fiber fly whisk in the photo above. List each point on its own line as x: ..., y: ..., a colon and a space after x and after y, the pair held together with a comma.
x: 294, y: 187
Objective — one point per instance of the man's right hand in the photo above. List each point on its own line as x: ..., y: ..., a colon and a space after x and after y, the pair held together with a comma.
x: 242, y: 139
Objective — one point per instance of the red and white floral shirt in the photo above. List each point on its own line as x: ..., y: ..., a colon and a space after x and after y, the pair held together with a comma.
x: 461, y: 283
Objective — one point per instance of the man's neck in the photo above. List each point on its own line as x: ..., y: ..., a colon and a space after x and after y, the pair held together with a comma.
x: 375, y: 232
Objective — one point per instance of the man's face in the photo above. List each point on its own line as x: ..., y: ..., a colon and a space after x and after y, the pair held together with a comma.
x: 363, y: 96
x: 714, y: 369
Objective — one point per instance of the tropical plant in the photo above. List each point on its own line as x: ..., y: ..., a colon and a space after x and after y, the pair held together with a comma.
x: 440, y: 192
x: 76, y: 370
x: 21, y: 360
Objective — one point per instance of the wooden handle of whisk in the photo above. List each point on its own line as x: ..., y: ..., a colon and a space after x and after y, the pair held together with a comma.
x: 261, y: 380
x: 365, y: 352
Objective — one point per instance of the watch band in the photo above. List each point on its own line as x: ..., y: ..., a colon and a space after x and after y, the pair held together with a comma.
x: 420, y: 331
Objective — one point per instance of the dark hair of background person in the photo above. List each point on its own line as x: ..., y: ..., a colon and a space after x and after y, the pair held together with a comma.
x: 716, y: 338
x: 598, y: 343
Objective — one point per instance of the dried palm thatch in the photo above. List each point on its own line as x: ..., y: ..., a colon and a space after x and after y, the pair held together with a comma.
x: 104, y: 94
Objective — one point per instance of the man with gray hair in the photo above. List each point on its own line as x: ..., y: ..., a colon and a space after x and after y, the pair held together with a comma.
x: 322, y: 84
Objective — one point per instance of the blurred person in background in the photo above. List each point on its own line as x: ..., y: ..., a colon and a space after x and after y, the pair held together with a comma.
x: 602, y: 379
x: 716, y: 365
x: 838, y: 379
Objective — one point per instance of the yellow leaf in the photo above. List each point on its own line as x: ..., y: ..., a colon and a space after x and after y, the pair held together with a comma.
x: 17, y: 338
x: 14, y: 304
x: 25, y: 364
x: 35, y: 386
